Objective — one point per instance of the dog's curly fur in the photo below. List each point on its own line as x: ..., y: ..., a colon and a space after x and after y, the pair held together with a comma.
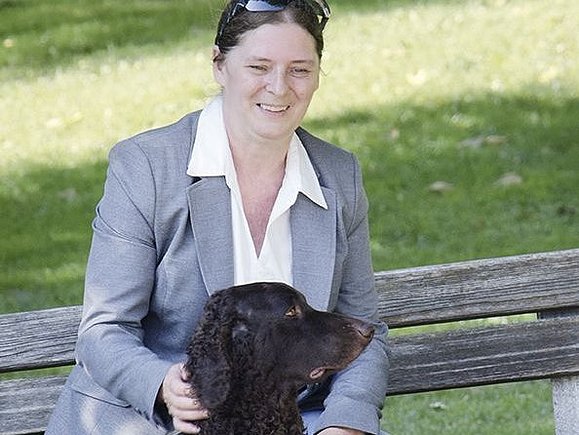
x: 255, y: 347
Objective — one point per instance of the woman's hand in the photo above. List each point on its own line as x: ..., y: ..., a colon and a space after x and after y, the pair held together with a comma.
x: 180, y: 400
x: 340, y: 431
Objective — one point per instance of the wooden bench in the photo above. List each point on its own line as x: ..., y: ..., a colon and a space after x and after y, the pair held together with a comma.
x: 545, y: 346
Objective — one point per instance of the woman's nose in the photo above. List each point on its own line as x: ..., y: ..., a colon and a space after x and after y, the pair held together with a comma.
x: 277, y: 84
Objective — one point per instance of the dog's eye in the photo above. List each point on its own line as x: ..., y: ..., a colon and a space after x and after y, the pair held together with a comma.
x: 292, y: 312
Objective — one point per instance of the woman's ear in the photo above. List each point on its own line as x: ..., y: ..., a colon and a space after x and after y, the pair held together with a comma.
x: 216, y: 56
x: 218, y: 60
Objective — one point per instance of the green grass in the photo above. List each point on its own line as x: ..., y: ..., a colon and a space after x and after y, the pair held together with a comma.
x: 478, y: 217
x: 520, y: 409
x: 422, y: 91
x: 44, y: 34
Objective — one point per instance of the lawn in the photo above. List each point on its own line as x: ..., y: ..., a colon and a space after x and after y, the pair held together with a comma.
x: 463, y: 114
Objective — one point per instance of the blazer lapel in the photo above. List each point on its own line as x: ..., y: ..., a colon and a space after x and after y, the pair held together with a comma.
x: 313, y: 240
x: 314, y: 247
x: 210, y: 211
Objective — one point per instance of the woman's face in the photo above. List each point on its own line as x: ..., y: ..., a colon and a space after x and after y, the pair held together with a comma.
x: 268, y: 81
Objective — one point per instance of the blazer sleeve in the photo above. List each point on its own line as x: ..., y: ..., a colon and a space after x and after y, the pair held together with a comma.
x: 357, y: 394
x: 119, y: 282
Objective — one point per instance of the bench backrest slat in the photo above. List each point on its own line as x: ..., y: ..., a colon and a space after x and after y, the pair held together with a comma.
x: 479, y: 288
x: 38, y: 339
x: 482, y: 356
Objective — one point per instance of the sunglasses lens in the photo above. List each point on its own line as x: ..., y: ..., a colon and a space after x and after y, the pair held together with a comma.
x: 320, y: 7
x: 265, y: 5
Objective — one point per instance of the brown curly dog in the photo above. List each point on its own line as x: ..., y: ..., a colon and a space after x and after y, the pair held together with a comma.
x: 255, y: 347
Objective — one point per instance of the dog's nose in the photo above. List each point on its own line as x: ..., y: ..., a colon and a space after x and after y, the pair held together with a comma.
x: 364, y: 329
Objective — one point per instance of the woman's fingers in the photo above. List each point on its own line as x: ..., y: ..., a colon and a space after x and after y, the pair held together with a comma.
x: 186, y: 427
x: 181, y: 402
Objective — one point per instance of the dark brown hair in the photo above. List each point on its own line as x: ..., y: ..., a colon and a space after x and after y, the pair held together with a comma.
x: 298, y: 12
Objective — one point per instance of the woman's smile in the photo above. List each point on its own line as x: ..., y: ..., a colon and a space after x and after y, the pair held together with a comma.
x: 273, y: 108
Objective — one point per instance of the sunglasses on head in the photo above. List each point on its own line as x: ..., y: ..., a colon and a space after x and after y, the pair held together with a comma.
x: 320, y: 8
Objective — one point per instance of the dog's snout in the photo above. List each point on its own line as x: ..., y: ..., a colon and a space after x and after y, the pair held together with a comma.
x: 364, y: 329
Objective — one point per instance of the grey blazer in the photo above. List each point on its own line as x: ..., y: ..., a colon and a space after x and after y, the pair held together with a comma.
x: 162, y: 243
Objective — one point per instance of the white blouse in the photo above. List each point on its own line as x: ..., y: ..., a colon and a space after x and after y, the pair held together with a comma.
x: 211, y: 157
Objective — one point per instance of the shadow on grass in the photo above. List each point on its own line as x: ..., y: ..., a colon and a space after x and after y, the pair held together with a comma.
x: 46, y: 213
x: 45, y: 231
x: 37, y: 35
x: 508, y: 166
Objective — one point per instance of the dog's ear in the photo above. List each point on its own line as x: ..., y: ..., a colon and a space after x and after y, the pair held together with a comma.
x: 209, y: 353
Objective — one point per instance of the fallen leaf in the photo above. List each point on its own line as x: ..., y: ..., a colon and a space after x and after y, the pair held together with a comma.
x: 510, y: 179
x: 418, y: 78
x: 495, y: 139
x: 440, y: 187
x: 394, y: 134
x: 473, y: 142
x: 54, y: 123
x: 68, y: 195
x: 438, y: 406
x: 478, y: 141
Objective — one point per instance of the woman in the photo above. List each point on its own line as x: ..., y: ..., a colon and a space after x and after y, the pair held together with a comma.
x: 232, y: 194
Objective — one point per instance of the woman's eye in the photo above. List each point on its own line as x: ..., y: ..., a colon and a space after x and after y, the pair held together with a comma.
x: 301, y: 72
x: 259, y: 68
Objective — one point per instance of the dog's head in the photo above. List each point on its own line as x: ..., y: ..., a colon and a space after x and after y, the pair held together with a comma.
x: 269, y: 329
